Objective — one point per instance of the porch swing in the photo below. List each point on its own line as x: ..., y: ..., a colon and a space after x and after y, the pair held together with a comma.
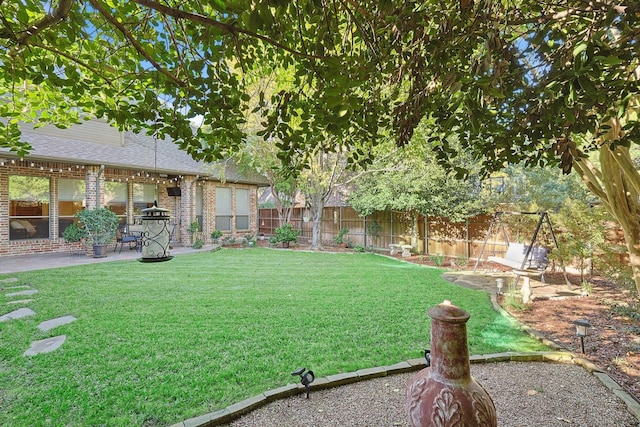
x: 521, y: 257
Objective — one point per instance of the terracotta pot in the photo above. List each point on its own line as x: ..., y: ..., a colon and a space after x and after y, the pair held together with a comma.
x: 445, y: 394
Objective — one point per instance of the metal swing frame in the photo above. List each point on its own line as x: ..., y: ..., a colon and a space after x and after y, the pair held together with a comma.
x: 543, y: 218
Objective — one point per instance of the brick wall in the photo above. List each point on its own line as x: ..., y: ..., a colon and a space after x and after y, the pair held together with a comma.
x: 182, y: 209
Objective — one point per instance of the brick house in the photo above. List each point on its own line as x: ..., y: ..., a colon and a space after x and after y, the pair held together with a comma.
x: 95, y: 165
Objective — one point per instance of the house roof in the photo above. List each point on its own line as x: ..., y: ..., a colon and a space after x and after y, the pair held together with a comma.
x: 337, y: 198
x: 97, y: 143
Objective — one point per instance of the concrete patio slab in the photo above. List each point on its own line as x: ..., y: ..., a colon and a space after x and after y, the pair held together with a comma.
x: 17, y: 314
x: 22, y: 293
x: 47, y: 325
x: 45, y: 346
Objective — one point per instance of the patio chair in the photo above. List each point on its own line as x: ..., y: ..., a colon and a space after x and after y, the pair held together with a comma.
x: 122, y: 238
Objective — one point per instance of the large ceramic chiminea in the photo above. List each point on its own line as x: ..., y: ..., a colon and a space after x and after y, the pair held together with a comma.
x: 445, y: 394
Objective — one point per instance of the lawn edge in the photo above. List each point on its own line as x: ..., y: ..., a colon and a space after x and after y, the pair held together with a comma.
x: 236, y: 410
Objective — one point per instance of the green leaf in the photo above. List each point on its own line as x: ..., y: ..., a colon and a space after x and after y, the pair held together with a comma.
x: 612, y: 60
x: 579, y: 48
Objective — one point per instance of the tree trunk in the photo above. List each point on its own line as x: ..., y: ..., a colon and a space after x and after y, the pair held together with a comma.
x: 618, y: 187
x: 316, y: 207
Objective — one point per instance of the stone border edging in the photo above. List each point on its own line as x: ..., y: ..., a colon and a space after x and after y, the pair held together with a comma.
x: 633, y: 406
x: 236, y: 410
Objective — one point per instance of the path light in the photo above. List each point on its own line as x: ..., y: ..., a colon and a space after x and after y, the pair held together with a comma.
x: 427, y: 357
x: 500, y: 285
x: 581, y: 330
x: 306, y: 378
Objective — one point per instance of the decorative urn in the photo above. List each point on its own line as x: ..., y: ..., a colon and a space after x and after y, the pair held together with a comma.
x: 444, y: 394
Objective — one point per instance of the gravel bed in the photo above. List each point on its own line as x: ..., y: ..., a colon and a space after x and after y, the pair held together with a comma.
x: 525, y: 394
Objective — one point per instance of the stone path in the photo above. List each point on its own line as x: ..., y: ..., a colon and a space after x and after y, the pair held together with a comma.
x: 22, y: 293
x: 41, y: 346
x: 54, y: 323
x: 45, y: 346
x: 17, y: 314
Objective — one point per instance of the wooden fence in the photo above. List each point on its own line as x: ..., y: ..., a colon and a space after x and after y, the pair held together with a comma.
x: 427, y: 235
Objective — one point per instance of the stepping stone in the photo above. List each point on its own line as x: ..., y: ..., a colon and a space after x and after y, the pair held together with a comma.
x: 23, y: 293
x: 45, y: 346
x: 9, y: 280
x: 54, y: 323
x: 17, y: 314
x: 20, y: 301
x: 17, y: 287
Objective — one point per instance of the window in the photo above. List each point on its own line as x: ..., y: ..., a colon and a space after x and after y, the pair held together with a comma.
x: 242, y: 209
x: 115, y: 198
x: 199, y: 206
x: 71, y: 194
x: 223, y: 209
x: 144, y: 195
x: 28, y: 207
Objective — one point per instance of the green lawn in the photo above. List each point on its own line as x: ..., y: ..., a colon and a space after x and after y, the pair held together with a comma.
x: 156, y: 343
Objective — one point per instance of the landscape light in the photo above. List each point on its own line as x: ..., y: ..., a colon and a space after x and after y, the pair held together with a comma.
x: 306, y: 378
x: 581, y: 330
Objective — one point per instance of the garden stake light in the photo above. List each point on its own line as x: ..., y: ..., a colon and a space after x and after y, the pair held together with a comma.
x: 500, y: 284
x: 581, y: 330
x: 306, y: 378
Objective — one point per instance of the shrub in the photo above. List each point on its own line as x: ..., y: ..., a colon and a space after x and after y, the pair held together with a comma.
x: 462, y: 260
x: 198, y: 244
x: 437, y: 259
x: 286, y: 233
x: 339, y: 238
x: 73, y: 233
x: 228, y: 241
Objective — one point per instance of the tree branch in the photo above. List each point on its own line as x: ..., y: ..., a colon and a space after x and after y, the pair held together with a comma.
x: 228, y: 28
x: 134, y: 42
x: 59, y: 14
x: 589, y: 175
x: 73, y: 59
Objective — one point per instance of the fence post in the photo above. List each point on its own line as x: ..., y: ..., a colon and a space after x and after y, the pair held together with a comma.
x: 364, y: 227
x: 468, y: 243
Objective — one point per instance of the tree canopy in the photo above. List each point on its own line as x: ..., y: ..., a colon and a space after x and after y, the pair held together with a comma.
x: 533, y: 81
x: 514, y: 80
x: 409, y: 179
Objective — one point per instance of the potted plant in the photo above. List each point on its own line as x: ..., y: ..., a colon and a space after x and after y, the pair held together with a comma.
x: 100, y: 225
x: 194, y: 231
x: 286, y: 234
x: 249, y: 240
x: 339, y: 239
x: 215, y: 235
